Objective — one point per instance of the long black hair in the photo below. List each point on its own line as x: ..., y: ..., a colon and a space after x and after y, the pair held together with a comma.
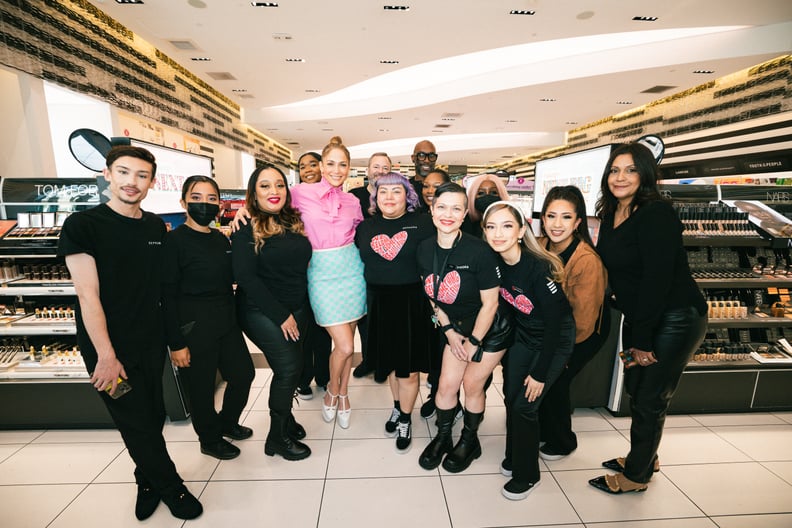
x: 648, y: 173
x: 573, y: 195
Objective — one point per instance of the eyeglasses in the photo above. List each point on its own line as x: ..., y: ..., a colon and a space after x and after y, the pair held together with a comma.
x: 431, y: 156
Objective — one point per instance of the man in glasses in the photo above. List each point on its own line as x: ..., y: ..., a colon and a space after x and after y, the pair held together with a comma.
x: 424, y: 158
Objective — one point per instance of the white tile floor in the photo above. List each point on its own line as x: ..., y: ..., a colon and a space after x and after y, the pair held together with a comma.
x: 730, y: 471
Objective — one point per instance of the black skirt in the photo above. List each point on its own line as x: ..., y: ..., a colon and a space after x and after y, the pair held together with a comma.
x: 399, y: 329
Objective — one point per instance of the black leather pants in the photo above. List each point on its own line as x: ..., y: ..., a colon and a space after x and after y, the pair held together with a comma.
x: 677, y: 337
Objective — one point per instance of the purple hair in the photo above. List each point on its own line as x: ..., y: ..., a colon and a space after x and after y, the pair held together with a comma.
x: 394, y: 178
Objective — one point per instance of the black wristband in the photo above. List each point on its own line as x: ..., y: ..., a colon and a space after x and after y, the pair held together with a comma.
x: 473, y: 339
x: 446, y: 328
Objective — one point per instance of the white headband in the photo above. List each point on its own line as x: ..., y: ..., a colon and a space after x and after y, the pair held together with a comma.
x: 510, y: 204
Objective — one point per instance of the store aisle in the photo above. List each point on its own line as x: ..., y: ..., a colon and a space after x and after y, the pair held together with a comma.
x: 732, y: 470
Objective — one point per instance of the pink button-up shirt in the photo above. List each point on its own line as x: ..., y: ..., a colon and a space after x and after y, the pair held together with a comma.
x: 330, y: 215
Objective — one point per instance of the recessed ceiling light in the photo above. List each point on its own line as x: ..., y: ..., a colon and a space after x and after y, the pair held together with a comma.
x: 129, y: 1
x: 624, y: 102
x: 295, y: 60
x: 522, y: 12
x: 311, y: 90
x: 511, y: 121
x: 704, y: 71
x: 547, y: 100
x: 383, y: 130
x: 327, y: 130
x: 264, y: 4
x: 201, y: 59
x: 281, y: 36
x: 571, y: 123
x: 645, y: 18
x: 390, y: 61
x: 239, y: 90
x: 384, y: 117
x: 396, y: 7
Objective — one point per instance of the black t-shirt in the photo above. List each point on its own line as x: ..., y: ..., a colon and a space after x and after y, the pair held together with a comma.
x: 471, y: 267
x: 648, y: 268
x: 388, y: 247
x: 196, y: 269
x: 364, y: 197
x: 275, y: 279
x: 128, y: 256
x: 539, y: 306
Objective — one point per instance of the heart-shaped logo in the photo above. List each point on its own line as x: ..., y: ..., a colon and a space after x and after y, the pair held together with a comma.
x: 448, y: 290
x: 521, y: 302
x: 387, y: 247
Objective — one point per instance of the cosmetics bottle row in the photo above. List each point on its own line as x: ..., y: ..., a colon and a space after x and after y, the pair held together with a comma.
x: 705, y: 219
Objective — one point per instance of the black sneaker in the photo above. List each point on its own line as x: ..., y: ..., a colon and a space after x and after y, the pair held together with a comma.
x: 183, y: 504
x: 506, y: 467
x: 222, y: 450
x: 428, y: 409
x: 547, y: 452
x: 390, y: 425
x: 147, y: 501
x: 404, y: 436
x: 304, y: 393
x: 514, y: 490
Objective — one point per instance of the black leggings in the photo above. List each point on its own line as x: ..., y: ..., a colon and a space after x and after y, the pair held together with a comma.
x: 285, y: 358
x: 678, y: 335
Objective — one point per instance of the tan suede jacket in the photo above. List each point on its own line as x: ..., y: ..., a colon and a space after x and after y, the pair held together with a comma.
x: 584, y: 284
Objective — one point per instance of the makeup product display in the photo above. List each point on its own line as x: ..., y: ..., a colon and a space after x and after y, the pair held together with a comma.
x: 713, y: 220
x: 55, y: 359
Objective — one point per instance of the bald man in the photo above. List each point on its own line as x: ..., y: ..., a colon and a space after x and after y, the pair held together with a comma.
x: 424, y: 158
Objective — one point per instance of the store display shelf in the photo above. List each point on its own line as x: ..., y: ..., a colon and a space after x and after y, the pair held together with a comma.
x: 752, y: 321
x: 760, y: 281
x: 57, y: 329
x: 67, y: 288
x: 726, y: 241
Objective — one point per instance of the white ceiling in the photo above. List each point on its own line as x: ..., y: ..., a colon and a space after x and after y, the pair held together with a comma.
x: 466, y: 58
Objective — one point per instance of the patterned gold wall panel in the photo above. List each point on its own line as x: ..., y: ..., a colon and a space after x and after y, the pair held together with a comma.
x: 71, y: 43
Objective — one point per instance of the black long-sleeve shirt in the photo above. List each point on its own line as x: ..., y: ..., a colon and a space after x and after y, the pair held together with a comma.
x: 196, y: 268
x: 274, y: 279
x: 648, y: 268
x: 539, y: 305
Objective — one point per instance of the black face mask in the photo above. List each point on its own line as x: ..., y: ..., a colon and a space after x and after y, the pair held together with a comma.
x: 202, y: 212
x: 482, y: 202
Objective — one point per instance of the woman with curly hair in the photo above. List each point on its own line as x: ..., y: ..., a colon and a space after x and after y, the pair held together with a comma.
x: 270, y: 256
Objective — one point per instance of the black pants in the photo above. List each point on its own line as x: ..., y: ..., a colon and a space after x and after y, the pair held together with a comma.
x: 522, y: 416
x: 677, y: 337
x: 211, y: 351
x: 316, y: 355
x: 285, y: 358
x: 139, y: 416
x: 555, y: 413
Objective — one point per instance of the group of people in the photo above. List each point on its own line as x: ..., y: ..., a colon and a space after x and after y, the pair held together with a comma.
x: 451, y: 281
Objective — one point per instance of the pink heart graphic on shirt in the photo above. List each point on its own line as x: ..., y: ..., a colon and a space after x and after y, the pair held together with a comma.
x: 448, y: 290
x: 521, y: 302
x: 387, y: 247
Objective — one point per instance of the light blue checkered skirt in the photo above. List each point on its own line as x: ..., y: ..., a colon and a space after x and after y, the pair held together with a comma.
x: 336, y: 287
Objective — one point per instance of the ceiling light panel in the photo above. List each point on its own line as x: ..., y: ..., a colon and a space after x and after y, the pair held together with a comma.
x: 129, y: 1
x: 396, y: 7
x: 295, y: 60
x: 644, y: 18
x: 264, y: 4
x: 522, y: 12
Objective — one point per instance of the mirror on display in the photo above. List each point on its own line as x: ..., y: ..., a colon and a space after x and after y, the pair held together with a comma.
x: 89, y: 148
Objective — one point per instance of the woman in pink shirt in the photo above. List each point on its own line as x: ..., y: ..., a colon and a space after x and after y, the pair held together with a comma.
x: 336, y: 287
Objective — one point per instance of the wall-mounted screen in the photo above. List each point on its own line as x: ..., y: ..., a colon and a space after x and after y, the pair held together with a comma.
x: 582, y: 169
